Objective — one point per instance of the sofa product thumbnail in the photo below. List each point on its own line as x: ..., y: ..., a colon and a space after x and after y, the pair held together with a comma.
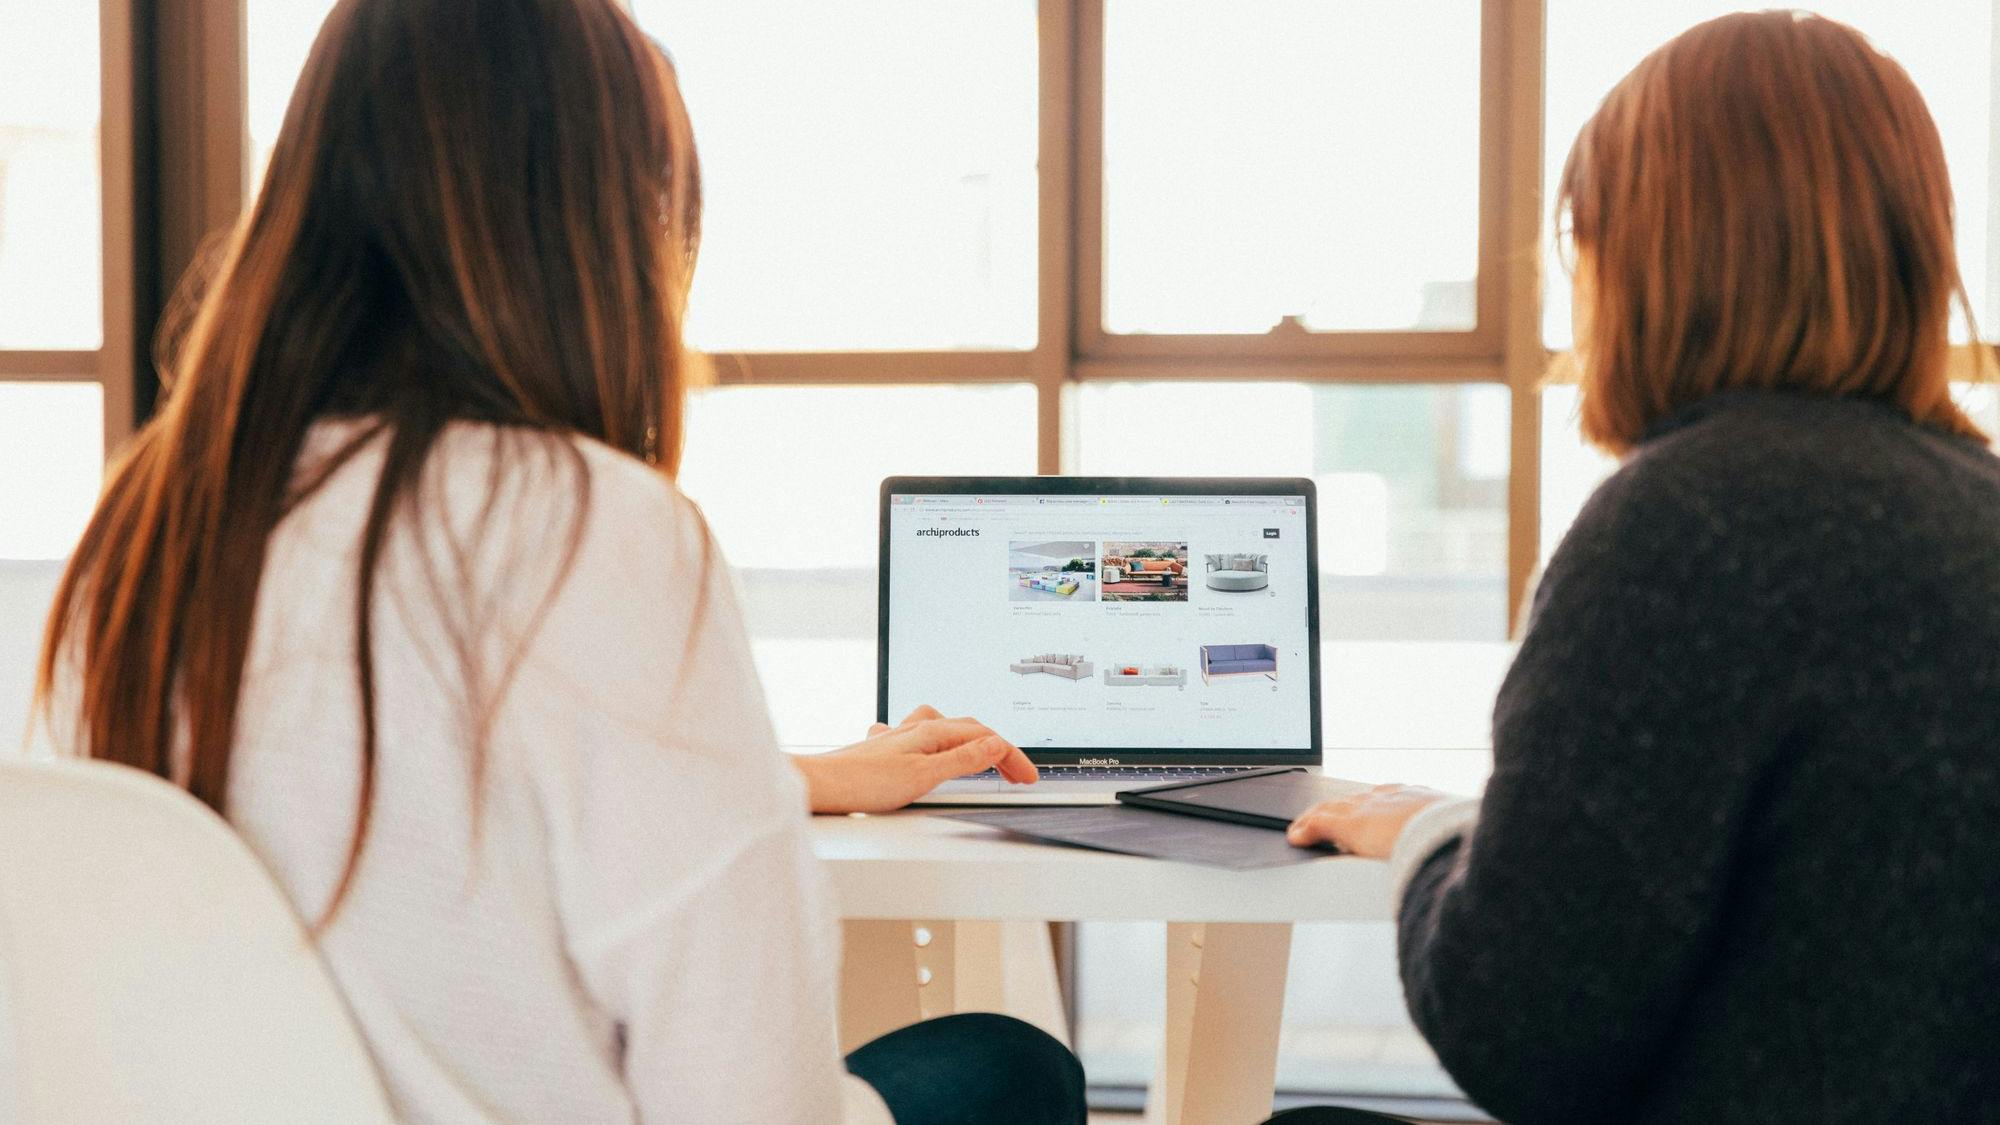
x: 1053, y: 583
x: 1159, y: 572
x: 1221, y: 661
x: 1042, y: 571
x: 1238, y: 572
x: 1068, y: 666
x: 1144, y: 572
x: 1145, y: 675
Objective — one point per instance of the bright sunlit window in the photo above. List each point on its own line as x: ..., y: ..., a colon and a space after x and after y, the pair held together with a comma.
x: 789, y: 476
x: 280, y: 35
x: 1277, y: 159
x: 1412, y: 485
x: 51, y: 250
x: 868, y: 171
x: 51, y: 464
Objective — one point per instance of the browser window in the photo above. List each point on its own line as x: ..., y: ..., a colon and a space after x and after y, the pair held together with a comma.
x: 1108, y: 622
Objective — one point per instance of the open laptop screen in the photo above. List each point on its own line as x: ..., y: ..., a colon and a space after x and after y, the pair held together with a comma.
x: 1146, y: 626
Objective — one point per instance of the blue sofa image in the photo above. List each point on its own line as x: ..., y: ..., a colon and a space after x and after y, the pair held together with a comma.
x: 1238, y: 660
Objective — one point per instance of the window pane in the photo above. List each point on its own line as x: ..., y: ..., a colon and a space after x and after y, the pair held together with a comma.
x: 279, y: 34
x: 1278, y: 159
x: 868, y: 171
x: 1982, y: 402
x: 1412, y: 486
x: 51, y: 242
x: 1946, y: 45
x: 51, y: 465
x: 789, y: 478
x: 1571, y: 467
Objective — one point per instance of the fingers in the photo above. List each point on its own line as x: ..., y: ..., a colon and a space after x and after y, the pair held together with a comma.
x: 933, y: 736
x: 977, y: 746
x: 924, y: 713
x: 973, y: 739
x: 1015, y: 767
x: 1324, y: 823
x: 972, y: 757
x: 877, y: 728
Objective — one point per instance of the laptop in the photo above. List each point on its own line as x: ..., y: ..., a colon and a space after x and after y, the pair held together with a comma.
x: 1123, y: 631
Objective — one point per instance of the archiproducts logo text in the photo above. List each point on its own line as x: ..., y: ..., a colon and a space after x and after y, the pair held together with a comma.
x: 952, y: 531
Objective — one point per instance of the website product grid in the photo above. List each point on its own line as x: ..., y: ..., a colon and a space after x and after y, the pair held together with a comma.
x: 1081, y: 622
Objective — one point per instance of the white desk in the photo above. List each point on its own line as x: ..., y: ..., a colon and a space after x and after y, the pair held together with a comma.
x: 945, y: 917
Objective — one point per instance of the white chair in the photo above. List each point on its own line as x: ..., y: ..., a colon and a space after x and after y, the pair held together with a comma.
x: 151, y: 972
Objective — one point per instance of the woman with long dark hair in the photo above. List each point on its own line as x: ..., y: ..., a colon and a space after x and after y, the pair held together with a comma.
x: 1739, y: 858
x: 397, y: 580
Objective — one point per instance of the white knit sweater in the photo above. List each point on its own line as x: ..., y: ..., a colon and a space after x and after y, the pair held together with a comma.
x: 631, y: 925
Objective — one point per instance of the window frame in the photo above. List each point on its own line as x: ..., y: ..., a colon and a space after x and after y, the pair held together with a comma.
x: 1457, y: 355
x: 1071, y: 347
x: 110, y: 364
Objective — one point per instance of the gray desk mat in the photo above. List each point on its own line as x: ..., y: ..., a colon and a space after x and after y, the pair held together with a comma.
x: 1149, y: 833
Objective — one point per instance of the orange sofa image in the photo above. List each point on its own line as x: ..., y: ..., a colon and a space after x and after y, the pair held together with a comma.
x: 1167, y: 572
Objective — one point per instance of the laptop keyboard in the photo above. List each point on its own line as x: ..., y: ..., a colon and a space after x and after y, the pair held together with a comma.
x: 1123, y: 773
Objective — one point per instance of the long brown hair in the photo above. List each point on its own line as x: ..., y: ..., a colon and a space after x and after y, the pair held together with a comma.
x: 474, y: 211
x: 1763, y: 202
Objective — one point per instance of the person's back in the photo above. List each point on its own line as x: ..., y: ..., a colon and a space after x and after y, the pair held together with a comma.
x: 554, y: 937
x: 1854, y: 965
x: 1751, y: 873
x: 1737, y: 858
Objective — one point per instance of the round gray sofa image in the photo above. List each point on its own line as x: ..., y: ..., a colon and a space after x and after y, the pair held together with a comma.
x: 1237, y: 573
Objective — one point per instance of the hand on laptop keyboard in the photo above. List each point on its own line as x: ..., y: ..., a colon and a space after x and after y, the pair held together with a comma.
x: 895, y: 765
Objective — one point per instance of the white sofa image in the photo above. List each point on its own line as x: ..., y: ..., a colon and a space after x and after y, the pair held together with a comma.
x: 1145, y: 675
x: 1238, y: 572
x: 1068, y: 666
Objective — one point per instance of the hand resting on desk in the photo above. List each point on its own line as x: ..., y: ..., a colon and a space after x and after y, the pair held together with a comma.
x: 1363, y: 824
x: 895, y: 765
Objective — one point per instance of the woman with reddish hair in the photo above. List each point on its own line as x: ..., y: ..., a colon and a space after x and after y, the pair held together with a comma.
x: 1739, y: 857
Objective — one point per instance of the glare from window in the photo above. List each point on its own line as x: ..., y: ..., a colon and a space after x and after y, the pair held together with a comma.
x: 1290, y: 158
x: 1946, y: 45
x: 1413, y: 515
x: 51, y: 245
x: 280, y: 36
x: 51, y: 465
x: 1571, y: 467
x: 789, y: 476
x: 789, y: 479
x: 1981, y: 401
x: 868, y: 171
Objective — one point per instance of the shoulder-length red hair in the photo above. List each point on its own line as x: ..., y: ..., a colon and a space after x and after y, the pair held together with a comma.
x: 1762, y: 203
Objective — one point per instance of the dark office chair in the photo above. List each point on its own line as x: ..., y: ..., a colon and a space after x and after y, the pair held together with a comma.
x: 1334, y: 1115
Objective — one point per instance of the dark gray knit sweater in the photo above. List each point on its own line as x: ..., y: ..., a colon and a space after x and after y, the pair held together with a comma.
x: 1739, y: 860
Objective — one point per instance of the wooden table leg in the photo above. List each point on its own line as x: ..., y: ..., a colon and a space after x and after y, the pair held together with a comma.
x: 1225, y: 1004
x: 878, y: 980
x: 895, y: 973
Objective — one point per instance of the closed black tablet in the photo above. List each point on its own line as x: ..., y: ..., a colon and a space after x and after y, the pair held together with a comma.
x: 1266, y: 798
